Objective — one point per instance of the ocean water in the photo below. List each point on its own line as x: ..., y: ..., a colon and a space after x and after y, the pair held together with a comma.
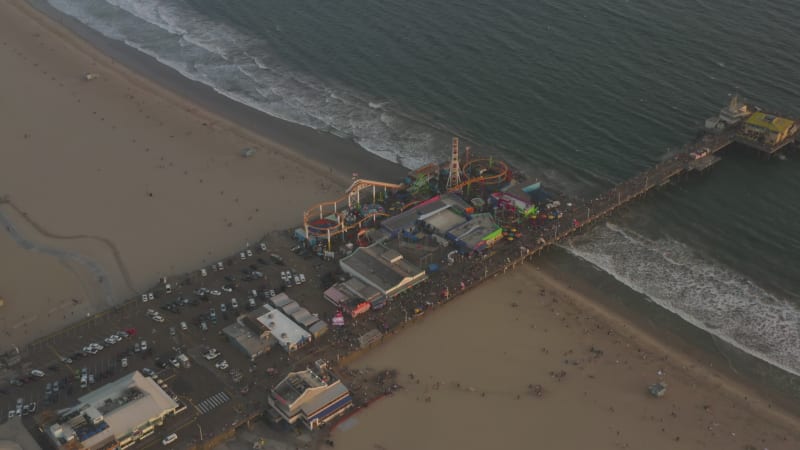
x: 578, y: 93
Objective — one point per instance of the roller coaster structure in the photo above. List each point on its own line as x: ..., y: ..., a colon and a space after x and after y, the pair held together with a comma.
x: 333, y: 218
x: 329, y: 219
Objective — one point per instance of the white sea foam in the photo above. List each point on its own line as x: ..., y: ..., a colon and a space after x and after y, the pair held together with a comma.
x: 241, y: 67
x: 704, y: 293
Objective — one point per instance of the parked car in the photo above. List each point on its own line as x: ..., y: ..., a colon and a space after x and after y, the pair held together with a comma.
x: 242, y: 256
x: 37, y: 373
x: 249, y: 252
x: 124, y: 362
x: 223, y: 307
x: 234, y: 303
x: 203, y: 326
x: 184, y: 327
x: 143, y: 345
x: 203, y: 273
x: 172, y: 331
x: 169, y: 439
x: 263, y: 246
x: 144, y: 298
x: 222, y: 365
x: 150, y: 296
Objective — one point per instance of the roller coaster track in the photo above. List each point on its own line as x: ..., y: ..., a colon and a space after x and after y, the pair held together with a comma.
x: 341, y: 207
x: 502, y: 175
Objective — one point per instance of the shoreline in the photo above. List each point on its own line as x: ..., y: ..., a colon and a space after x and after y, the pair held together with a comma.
x: 325, y: 150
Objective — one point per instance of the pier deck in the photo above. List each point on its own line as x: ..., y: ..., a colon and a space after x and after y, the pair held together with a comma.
x: 661, y: 174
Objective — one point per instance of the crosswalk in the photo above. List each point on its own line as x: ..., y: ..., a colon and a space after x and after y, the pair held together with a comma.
x: 212, y: 402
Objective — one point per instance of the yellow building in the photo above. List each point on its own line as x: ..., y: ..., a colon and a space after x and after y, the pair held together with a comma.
x: 768, y: 129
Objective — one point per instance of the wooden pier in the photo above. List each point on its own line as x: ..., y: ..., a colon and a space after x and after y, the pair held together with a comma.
x: 697, y: 156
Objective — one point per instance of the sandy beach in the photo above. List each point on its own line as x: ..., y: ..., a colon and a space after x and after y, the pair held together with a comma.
x: 524, y: 361
x: 131, y: 178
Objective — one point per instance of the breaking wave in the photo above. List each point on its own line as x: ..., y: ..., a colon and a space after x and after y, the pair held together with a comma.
x: 242, y: 68
x: 705, y: 294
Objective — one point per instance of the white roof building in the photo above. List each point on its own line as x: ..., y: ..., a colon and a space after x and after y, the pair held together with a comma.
x: 125, y: 411
x: 283, y: 329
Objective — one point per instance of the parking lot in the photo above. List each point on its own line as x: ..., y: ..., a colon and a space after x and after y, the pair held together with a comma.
x: 181, y: 317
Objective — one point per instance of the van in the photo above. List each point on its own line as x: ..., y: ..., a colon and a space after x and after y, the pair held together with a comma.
x: 169, y: 439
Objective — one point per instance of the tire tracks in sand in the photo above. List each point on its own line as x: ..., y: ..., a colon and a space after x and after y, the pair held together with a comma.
x: 83, y: 260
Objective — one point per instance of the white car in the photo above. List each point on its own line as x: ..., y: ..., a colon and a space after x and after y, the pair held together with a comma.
x: 169, y: 439
x: 174, y: 362
x: 220, y: 266
x: 222, y: 365
x: 96, y: 346
x: 215, y: 292
x: 184, y: 327
x: 203, y: 273
x: 223, y: 307
x: 227, y: 289
x: 124, y: 362
x: 37, y: 373
x: 211, y: 354
x: 90, y: 350
x: 234, y: 303
x: 242, y: 256
x: 263, y: 246
x: 249, y: 253
x: 302, y: 278
x: 144, y: 298
x: 150, y: 296
x: 143, y: 346
x: 168, y: 288
x: 158, y: 318
x: 296, y: 279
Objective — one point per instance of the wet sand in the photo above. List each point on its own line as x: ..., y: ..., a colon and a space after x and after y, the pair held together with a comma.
x: 471, y: 373
x: 132, y: 177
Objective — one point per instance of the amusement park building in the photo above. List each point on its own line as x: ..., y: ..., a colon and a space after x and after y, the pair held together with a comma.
x: 354, y: 297
x: 313, y: 397
x: 382, y: 268
x: 478, y: 234
x: 448, y: 204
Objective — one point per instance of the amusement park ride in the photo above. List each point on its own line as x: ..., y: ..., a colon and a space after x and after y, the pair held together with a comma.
x: 364, y: 200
